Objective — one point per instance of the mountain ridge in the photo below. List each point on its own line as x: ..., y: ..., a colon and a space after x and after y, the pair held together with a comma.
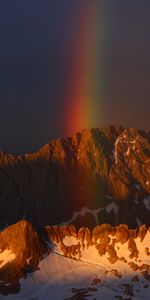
x: 96, y: 168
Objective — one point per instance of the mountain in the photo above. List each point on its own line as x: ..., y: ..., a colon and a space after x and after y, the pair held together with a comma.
x: 104, y: 263
x: 98, y: 176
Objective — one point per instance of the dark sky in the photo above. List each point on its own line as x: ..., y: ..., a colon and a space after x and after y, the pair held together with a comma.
x: 34, y: 38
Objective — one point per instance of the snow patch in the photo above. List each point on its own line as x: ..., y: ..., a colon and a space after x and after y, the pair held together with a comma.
x: 29, y: 259
x: 112, y: 207
x: 68, y: 241
x: 139, y: 223
x: 138, y: 187
x: 147, y: 202
x: 6, y: 257
x: 83, y: 212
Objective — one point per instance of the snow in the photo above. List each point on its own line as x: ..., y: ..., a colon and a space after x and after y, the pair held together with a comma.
x: 83, y: 212
x: 61, y: 278
x: 146, y: 202
x: 141, y: 247
x: 68, y: 241
x: 138, y: 187
x: 6, y: 257
x: 112, y: 207
x: 90, y: 254
x: 116, y: 149
x: 58, y: 275
x: 139, y: 223
x: 28, y: 260
x: 129, y: 144
x: 55, y: 279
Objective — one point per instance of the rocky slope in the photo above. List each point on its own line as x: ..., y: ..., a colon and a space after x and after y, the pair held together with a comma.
x: 103, y: 174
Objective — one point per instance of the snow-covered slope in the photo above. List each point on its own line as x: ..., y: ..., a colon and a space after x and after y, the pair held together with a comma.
x: 107, y: 246
x: 61, y: 278
x: 106, y: 263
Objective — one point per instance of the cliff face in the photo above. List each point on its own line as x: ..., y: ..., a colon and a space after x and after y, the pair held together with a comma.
x: 104, y: 174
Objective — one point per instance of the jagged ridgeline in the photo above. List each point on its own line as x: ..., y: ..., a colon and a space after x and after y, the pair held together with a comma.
x: 98, y: 176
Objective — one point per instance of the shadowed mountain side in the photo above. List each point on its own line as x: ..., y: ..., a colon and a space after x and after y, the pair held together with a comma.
x: 106, y: 169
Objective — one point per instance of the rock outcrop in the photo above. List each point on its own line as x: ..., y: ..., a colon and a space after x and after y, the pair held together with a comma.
x: 106, y: 171
x: 21, y: 249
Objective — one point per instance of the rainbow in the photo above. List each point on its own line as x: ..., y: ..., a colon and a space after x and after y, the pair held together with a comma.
x: 83, y: 93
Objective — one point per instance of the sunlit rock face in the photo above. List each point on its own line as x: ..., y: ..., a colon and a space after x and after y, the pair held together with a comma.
x: 21, y: 249
x: 98, y: 176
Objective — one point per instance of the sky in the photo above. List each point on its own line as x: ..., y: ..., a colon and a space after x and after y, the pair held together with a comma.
x: 71, y: 64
